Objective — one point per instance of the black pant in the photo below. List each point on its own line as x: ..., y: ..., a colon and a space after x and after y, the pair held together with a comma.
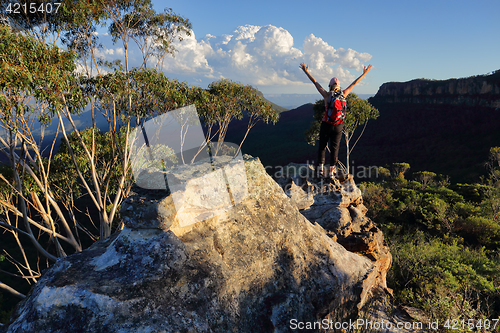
x: 332, y: 133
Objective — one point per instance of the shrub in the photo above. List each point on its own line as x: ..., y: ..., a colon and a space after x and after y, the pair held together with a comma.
x: 445, y: 280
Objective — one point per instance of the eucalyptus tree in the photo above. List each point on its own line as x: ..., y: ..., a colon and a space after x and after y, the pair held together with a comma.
x: 112, y: 94
x: 228, y: 101
x: 42, y: 83
x: 359, y: 112
x: 35, y: 78
x: 154, y: 33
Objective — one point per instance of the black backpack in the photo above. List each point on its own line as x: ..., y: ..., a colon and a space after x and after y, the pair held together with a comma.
x: 336, y: 108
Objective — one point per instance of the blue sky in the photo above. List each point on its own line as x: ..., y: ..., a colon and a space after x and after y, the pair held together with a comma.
x: 262, y: 42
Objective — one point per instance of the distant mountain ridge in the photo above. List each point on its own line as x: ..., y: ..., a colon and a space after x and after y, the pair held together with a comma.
x: 274, y: 105
x: 279, y: 144
x: 430, y: 132
x: 446, y: 127
x: 82, y: 121
x: 480, y: 91
x: 292, y: 101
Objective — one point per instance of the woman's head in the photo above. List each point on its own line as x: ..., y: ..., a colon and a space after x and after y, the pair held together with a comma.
x: 334, y: 84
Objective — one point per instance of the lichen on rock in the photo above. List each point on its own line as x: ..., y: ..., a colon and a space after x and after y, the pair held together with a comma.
x: 254, y: 267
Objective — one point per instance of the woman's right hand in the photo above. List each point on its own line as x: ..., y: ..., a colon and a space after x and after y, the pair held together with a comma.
x: 304, y: 67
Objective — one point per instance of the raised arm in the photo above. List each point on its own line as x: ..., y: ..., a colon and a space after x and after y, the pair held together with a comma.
x: 318, y: 86
x: 347, y: 91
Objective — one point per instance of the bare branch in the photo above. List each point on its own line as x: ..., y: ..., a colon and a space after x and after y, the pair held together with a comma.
x: 12, y: 291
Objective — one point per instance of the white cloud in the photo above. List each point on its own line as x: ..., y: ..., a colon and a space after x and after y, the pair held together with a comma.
x: 108, y: 54
x: 190, y: 58
x: 328, y: 62
x: 262, y: 56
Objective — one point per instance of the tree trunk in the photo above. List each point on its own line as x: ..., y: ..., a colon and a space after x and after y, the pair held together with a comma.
x: 347, y: 153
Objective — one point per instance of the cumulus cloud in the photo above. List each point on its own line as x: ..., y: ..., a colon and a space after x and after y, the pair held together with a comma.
x: 262, y: 56
x: 328, y: 61
x: 190, y: 59
x: 108, y: 54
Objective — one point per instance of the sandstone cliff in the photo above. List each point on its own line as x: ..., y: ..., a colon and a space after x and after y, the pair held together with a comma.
x: 478, y: 91
x: 258, y: 266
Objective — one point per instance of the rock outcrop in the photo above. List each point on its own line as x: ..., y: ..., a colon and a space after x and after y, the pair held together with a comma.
x: 258, y: 266
x: 478, y: 91
x: 337, y: 206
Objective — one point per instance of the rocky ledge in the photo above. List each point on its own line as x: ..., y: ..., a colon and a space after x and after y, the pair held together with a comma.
x: 337, y: 206
x: 257, y: 265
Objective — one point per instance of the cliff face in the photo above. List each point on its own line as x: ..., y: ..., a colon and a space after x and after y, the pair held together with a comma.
x: 479, y: 91
x: 257, y: 266
x: 445, y: 127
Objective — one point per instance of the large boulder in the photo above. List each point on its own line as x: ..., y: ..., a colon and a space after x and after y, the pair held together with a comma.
x: 337, y: 206
x: 257, y: 265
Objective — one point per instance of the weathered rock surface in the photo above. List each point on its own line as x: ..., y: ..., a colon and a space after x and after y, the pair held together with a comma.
x: 338, y: 207
x: 259, y: 266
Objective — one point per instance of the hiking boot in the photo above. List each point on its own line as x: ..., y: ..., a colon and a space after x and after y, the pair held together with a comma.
x: 320, y: 172
x: 333, y: 172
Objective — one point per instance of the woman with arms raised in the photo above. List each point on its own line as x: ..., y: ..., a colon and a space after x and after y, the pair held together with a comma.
x: 333, y: 120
